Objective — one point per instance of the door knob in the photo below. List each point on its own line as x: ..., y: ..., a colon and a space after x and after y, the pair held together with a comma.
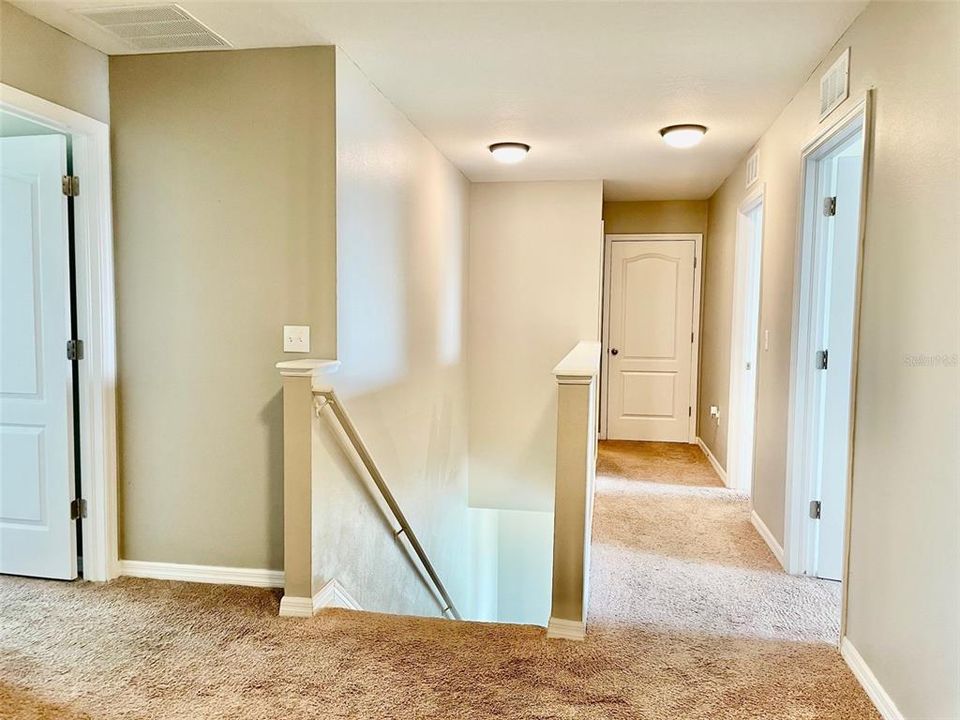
x: 614, y: 351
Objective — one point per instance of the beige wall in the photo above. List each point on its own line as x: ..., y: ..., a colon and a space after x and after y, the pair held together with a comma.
x: 401, y: 260
x: 45, y: 62
x: 655, y: 216
x: 224, y: 192
x: 715, y: 322
x: 534, y: 292
x: 904, y: 587
x: 536, y: 252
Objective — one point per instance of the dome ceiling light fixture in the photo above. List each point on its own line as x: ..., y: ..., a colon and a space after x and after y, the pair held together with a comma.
x: 509, y: 153
x: 683, y: 136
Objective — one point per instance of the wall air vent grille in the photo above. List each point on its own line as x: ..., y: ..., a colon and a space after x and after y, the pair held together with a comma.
x: 753, y: 168
x: 835, y: 84
x: 154, y: 27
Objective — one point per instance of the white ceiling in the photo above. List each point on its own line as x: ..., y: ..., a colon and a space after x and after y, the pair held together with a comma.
x: 587, y: 84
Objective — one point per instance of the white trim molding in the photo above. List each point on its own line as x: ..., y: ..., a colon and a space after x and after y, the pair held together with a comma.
x: 744, y: 285
x: 767, y: 536
x: 291, y: 606
x: 331, y: 595
x: 334, y: 595
x: 864, y: 675
x: 214, y: 574
x: 713, y: 461
x: 96, y: 326
x: 558, y: 629
x: 805, y: 381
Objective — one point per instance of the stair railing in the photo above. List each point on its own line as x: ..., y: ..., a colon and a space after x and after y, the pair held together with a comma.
x: 330, y: 399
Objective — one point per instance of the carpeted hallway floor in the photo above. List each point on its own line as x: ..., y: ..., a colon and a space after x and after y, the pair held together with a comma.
x: 691, y: 617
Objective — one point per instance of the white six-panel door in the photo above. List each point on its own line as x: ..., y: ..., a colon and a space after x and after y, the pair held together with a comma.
x: 37, y: 536
x: 650, y: 340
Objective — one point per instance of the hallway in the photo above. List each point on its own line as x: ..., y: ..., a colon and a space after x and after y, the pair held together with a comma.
x: 679, y: 571
x: 674, y: 549
x: 691, y: 618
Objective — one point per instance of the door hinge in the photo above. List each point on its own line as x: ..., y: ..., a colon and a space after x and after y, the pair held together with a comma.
x: 830, y: 206
x: 71, y: 185
x: 78, y: 509
x: 694, y: 262
x: 822, y: 360
x: 689, y: 411
x: 74, y: 349
x: 691, y: 337
x: 815, y: 509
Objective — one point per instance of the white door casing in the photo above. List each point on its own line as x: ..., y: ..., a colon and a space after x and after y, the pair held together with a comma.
x: 37, y: 536
x: 650, y: 340
x: 808, y: 383
x: 744, y: 343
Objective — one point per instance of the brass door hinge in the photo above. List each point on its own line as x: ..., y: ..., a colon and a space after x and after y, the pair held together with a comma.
x: 71, y: 185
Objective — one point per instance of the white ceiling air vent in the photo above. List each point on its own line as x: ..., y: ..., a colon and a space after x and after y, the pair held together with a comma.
x: 835, y: 84
x: 154, y: 27
x: 753, y: 168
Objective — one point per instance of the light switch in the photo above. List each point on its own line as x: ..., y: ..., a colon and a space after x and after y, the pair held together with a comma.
x: 296, y: 338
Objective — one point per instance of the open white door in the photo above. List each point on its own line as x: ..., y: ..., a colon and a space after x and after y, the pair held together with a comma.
x: 650, y: 341
x: 838, y: 240
x: 823, y: 374
x: 37, y: 536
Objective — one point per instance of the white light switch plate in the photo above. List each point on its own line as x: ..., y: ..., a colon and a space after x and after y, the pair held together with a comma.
x: 296, y: 338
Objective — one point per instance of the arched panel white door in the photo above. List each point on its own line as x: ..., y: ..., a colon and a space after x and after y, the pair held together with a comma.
x: 650, y: 341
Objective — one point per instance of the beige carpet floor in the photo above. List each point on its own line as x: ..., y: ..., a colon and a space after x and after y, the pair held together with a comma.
x: 691, y: 617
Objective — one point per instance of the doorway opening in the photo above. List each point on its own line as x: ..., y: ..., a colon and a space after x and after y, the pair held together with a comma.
x: 651, y: 337
x: 823, y: 376
x: 744, y: 343
x: 58, y: 365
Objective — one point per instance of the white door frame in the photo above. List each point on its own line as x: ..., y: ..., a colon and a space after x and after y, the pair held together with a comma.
x: 608, y: 240
x: 96, y: 326
x: 798, y: 535
x: 741, y: 285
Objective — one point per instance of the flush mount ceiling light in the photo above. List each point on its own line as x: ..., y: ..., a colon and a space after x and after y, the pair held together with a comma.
x: 683, y: 136
x: 509, y: 153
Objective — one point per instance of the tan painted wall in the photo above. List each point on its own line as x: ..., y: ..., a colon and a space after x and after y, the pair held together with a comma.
x: 535, y: 256
x: 715, y: 323
x: 401, y: 259
x: 224, y: 192
x: 904, y: 587
x: 656, y: 216
x: 45, y: 62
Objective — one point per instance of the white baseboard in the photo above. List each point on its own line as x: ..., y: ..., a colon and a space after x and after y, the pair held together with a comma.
x: 861, y: 671
x: 331, y: 595
x: 291, y: 606
x: 202, y: 573
x: 334, y: 595
x: 566, y: 629
x: 767, y: 536
x: 713, y: 461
